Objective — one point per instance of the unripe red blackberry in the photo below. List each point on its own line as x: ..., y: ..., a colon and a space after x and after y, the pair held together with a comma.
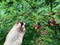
x: 49, y: 21
x: 36, y: 26
x: 51, y: 24
x: 55, y: 22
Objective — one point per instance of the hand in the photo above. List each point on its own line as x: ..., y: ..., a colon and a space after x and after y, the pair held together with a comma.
x: 15, y: 35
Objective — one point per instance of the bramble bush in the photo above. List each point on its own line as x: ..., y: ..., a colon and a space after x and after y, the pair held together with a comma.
x: 42, y: 18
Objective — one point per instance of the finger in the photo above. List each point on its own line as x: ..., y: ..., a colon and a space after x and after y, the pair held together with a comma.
x: 18, y: 24
x: 24, y: 24
x: 23, y: 28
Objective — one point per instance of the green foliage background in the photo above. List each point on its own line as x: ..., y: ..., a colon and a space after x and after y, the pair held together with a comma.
x: 29, y: 11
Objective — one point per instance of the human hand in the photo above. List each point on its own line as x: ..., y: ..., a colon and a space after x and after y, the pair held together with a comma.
x: 15, y: 35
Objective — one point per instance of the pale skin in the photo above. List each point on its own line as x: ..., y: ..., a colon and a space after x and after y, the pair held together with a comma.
x: 15, y: 35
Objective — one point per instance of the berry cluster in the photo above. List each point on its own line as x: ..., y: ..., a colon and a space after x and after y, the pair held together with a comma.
x: 36, y: 26
x: 53, y: 22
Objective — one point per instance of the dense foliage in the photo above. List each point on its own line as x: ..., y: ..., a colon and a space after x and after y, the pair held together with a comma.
x: 42, y: 18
